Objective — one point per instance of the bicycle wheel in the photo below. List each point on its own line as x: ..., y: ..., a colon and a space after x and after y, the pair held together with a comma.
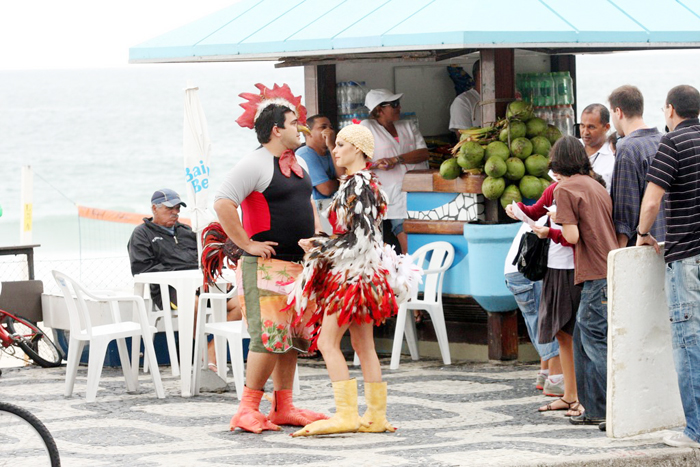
x: 24, y: 440
x: 34, y: 342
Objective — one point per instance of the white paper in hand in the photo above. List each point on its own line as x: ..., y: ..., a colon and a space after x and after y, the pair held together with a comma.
x: 520, y: 215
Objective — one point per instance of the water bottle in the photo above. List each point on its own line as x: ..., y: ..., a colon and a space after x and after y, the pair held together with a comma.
x: 546, y: 84
x: 537, y: 98
x: 557, y: 120
x: 547, y: 114
x: 362, y: 93
x: 564, y: 88
x: 568, y: 120
x: 569, y: 87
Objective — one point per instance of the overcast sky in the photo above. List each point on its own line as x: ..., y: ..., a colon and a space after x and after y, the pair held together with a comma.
x: 46, y: 34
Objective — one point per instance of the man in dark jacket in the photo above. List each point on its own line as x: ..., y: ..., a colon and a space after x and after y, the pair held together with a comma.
x: 162, y: 243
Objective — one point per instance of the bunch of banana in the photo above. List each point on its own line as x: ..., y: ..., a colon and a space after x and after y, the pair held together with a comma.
x: 482, y: 135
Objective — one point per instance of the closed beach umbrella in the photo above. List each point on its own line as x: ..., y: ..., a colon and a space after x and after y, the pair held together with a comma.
x: 196, y: 148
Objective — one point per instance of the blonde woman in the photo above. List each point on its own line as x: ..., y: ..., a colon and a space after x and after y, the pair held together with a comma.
x: 356, y: 282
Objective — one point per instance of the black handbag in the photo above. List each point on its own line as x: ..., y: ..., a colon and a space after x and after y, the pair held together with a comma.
x: 532, y: 256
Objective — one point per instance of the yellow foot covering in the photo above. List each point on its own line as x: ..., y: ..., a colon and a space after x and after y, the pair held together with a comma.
x: 374, y: 420
x: 346, y: 418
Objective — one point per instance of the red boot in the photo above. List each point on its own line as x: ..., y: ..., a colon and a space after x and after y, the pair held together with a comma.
x: 283, y: 411
x: 248, y: 417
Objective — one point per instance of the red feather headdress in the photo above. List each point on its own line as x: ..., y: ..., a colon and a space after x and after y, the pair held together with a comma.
x: 280, y: 95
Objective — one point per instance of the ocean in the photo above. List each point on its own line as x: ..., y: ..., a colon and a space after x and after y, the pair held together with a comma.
x: 107, y: 138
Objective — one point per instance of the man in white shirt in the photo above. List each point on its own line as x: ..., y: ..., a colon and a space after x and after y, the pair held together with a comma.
x: 464, y: 111
x: 594, y: 126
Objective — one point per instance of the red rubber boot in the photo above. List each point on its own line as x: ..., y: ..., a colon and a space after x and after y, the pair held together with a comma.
x: 248, y: 417
x: 283, y: 411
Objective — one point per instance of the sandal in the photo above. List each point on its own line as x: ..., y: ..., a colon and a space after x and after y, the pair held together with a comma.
x: 569, y: 406
x: 419, y: 316
x: 575, y: 411
x: 213, y: 367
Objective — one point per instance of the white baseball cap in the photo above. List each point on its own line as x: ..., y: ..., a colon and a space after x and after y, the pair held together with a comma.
x: 377, y: 96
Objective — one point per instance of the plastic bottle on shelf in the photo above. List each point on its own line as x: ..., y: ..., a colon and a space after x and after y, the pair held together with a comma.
x: 546, y: 84
x: 564, y: 88
x: 566, y: 120
x: 362, y: 93
x: 536, y: 92
x: 339, y: 95
x: 548, y: 114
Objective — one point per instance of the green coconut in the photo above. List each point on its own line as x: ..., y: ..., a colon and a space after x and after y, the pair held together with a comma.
x: 545, y: 183
x: 530, y: 187
x: 552, y: 133
x: 450, y: 169
x: 541, y: 145
x: 517, y: 128
x: 510, y: 194
x: 521, y: 148
x: 536, y: 165
x: 493, y: 187
x: 535, y: 127
x: 495, y: 167
x: 515, y: 168
x: 497, y: 149
x: 519, y: 110
x: 470, y: 155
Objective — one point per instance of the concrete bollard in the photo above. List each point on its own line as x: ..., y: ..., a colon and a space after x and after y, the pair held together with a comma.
x: 643, y: 393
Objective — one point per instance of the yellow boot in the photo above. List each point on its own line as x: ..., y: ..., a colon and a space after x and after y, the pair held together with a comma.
x: 346, y: 418
x: 374, y: 420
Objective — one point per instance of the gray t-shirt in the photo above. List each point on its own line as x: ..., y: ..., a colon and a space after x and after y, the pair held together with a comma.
x: 252, y: 173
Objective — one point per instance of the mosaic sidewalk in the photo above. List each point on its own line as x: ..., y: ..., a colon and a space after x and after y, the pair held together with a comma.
x: 459, y: 415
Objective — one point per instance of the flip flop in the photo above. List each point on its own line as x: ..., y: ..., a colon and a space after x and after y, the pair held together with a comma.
x: 213, y: 367
x: 569, y: 406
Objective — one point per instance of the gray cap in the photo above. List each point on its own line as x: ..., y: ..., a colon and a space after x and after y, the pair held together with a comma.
x: 166, y: 197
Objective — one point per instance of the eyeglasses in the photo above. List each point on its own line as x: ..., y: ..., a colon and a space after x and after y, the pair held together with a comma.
x: 392, y: 104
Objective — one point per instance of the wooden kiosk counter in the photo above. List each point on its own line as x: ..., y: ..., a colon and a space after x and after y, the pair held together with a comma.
x: 455, y: 211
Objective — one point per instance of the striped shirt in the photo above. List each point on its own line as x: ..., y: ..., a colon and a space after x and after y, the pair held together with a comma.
x: 676, y: 169
x: 632, y: 160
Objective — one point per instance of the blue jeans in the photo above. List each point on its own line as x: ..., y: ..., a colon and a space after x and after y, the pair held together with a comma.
x: 527, y: 295
x: 683, y: 297
x: 591, y: 347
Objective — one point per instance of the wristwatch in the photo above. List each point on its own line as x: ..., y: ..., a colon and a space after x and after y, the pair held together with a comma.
x: 640, y: 234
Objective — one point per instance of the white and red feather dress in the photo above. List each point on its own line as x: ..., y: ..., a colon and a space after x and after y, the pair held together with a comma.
x: 352, y: 274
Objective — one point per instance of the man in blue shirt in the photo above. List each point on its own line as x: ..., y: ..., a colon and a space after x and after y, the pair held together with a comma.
x: 632, y: 160
x: 317, y: 155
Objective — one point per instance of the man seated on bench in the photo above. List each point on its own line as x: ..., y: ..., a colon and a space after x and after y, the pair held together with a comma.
x: 162, y: 243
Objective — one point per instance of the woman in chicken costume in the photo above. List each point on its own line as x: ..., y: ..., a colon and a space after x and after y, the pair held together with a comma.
x: 357, y: 282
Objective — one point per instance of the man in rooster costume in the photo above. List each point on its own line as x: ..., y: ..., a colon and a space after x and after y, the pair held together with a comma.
x: 274, y: 191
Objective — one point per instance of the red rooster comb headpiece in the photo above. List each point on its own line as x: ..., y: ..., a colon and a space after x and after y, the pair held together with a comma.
x: 280, y: 95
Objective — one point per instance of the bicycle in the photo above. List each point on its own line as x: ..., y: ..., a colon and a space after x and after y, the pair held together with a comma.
x: 24, y: 439
x: 16, y: 332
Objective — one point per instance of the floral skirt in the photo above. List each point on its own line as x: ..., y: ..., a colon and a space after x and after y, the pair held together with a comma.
x: 263, y: 285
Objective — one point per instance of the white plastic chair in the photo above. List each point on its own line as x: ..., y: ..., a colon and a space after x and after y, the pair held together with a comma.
x: 166, y: 315
x: 98, y: 337
x: 442, y: 255
x: 233, y: 331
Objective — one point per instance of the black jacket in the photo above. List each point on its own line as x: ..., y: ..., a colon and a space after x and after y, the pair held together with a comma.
x: 152, y: 248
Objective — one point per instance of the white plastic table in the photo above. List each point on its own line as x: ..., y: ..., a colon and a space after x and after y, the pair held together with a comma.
x: 185, y: 284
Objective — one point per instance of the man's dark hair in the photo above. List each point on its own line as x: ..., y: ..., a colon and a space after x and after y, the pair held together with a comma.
x: 629, y: 99
x: 272, y: 116
x: 476, y: 68
x: 603, y: 112
x: 568, y: 157
x: 312, y: 119
x: 685, y: 100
